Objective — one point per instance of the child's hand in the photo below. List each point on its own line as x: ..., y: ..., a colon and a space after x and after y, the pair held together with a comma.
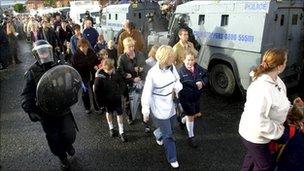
x: 199, y: 85
x: 128, y: 76
x: 136, y: 79
x: 298, y: 102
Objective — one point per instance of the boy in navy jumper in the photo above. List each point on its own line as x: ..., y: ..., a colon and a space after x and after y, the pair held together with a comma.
x: 108, y: 90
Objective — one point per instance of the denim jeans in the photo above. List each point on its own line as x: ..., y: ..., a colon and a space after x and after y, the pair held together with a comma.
x: 164, y: 132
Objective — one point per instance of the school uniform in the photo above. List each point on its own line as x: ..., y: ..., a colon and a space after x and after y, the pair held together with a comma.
x: 190, y: 95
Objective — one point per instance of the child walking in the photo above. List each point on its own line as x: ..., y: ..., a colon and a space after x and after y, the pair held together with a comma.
x: 102, y: 57
x: 108, y: 90
x: 194, y: 78
x: 101, y: 44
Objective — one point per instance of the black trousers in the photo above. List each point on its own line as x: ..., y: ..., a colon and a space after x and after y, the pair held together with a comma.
x: 258, y: 157
x: 86, y: 97
x: 60, y: 133
x: 3, y: 57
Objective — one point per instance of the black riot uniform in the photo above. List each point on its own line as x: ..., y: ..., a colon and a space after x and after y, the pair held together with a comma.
x: 182, y: 25
x: 60, y: 127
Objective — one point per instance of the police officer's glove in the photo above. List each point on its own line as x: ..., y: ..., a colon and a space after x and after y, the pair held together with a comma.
x: 34, y: 117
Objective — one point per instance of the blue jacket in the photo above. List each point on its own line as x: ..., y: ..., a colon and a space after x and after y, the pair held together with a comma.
x: 190, y: 92
x: 99, y: 46
x: 91, y: 35
x: 73, y: 43
x: 293, y: 155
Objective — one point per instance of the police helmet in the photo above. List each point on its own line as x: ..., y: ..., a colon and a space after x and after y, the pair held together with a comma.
x: 183, y: 19
x: 43, y: 51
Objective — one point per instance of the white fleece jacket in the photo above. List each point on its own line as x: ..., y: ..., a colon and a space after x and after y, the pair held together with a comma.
x: 157, y: 92
x: 265, y: 110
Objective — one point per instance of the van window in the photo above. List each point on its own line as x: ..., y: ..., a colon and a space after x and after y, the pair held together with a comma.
x: 294, y: 19
x: 139, y: 15
x: 224, y: 21
x: 282, y: 20
x: 116, y: 16
x: 201, y: 19
x: 134, y: 15
x: 109, y: 16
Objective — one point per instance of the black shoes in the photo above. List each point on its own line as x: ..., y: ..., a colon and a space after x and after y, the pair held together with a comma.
x: 130, y: 121
x: 182, y: 126
x: 65, y: 164
x: 147, y: 127
x: 71, y: 150
x: 112, y: 133
x: 18, y: 62
x: 192, y: 143
x: 123, y: 137
x: 3, y: 68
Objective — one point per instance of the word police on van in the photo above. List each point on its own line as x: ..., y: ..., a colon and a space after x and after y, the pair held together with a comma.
x: 235, y: 34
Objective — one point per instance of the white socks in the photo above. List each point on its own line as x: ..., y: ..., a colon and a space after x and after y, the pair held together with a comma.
x: 119, y: 120
x: 184, y: 119
x: 110, y: 125
x: 120, y: 128
x: 190, y: 126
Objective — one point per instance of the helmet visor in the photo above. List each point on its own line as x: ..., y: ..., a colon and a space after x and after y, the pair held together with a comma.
x: 44, y: 53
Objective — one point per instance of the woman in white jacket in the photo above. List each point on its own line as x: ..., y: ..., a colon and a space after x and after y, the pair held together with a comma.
x: 162, y: 84
x: 265, y: 111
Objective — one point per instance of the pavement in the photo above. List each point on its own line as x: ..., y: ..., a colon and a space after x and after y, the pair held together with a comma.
x: 24, y: 146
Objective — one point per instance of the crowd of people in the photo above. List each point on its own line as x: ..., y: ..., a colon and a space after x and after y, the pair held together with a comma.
x: 115, y: 72
x: 113, y: 75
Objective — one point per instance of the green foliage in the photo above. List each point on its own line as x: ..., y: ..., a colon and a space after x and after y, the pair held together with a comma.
x: 19, y: 8
x: 50, y: 3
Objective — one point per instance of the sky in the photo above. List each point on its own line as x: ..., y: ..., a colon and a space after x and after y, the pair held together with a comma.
x: 11, y: 2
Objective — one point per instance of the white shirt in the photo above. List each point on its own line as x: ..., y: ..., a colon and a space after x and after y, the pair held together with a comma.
x: 157, y: 92
x: 265, y: 110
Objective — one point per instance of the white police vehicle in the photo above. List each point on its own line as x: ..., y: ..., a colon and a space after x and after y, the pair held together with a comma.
x: 78, y: 11
x: 114, y: 15
x: 235, y: 34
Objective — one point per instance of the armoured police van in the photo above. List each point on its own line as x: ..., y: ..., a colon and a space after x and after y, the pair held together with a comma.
x: 114, y: 15
x: 79, y: 8
x: 235, y: 34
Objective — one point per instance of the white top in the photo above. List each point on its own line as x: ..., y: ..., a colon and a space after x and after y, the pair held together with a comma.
x: 265, y: 110
x: 157, y: 92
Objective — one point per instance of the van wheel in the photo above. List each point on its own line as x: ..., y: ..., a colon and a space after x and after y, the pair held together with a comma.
x: 222, y: 80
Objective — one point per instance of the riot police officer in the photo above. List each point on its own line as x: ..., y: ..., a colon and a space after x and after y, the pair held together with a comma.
x: 59, y: 126
x: 182, y: 24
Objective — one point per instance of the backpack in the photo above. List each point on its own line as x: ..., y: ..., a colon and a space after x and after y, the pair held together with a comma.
x: 276, y: 147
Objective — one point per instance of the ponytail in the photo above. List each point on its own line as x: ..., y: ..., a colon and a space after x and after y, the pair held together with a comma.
x: 271, y: 59
x: 261, y: 69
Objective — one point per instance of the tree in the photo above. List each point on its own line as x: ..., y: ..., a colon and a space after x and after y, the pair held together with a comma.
x: 50, y: 3
x: 19, y: 8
